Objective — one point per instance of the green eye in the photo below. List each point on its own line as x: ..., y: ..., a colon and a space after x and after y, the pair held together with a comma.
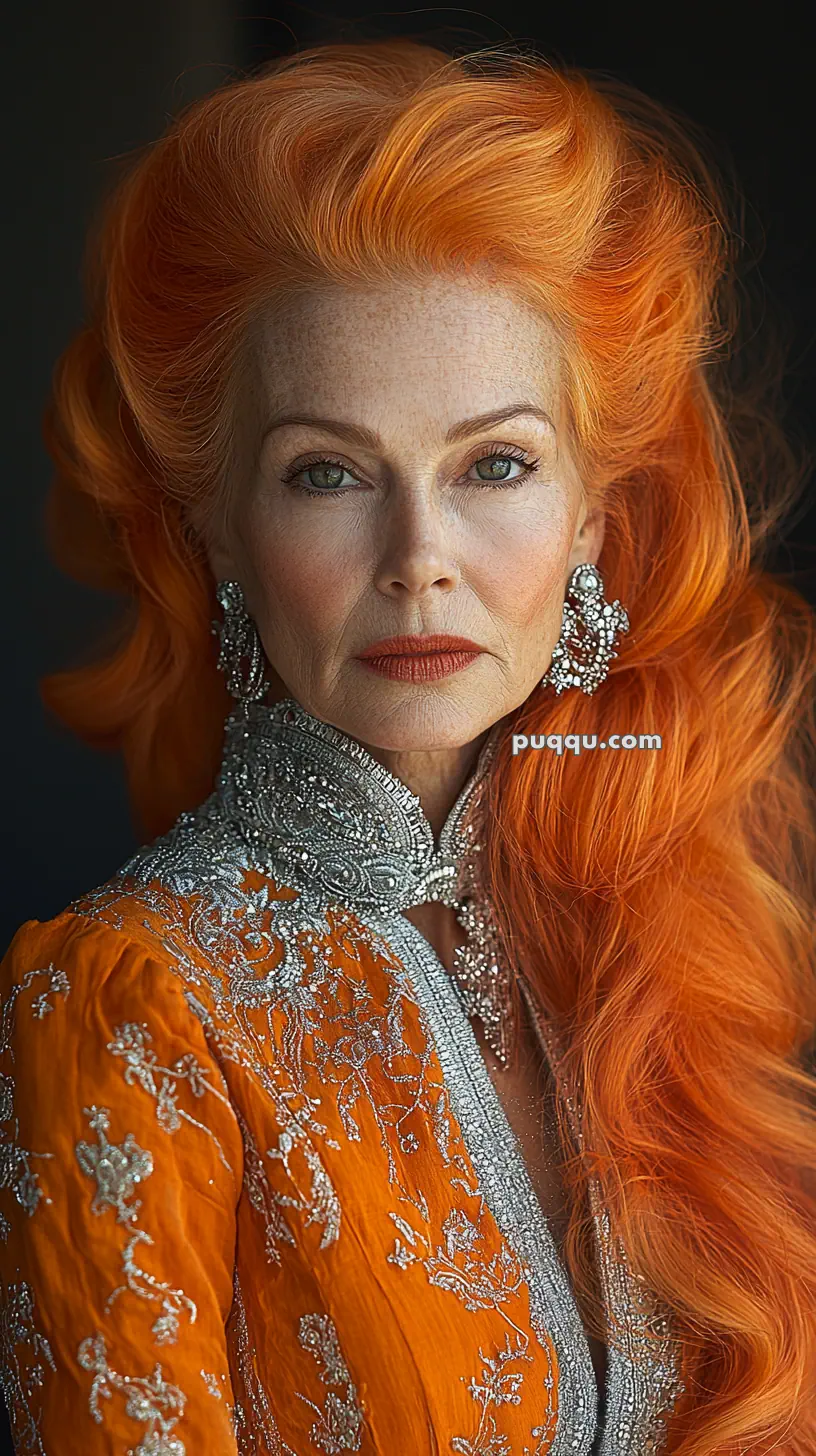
x: 332, y: 472
x: 497, y: 466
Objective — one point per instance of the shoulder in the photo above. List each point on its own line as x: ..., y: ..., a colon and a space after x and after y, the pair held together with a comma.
x: 95, y: 951
x: 71, y: 982
x: 199, y: 915
x: 121, y: 944
x: 191, y: 913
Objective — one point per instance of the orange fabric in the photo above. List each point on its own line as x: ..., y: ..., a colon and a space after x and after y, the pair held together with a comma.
x: 305, y: 1257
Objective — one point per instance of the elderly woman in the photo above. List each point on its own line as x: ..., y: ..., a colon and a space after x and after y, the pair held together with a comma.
x: 433, y: 1079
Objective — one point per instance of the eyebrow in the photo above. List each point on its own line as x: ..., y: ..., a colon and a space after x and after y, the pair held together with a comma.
x: 370, y: 440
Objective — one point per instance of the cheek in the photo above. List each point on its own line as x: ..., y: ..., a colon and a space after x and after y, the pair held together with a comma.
x: 302, y: 568
x: 521, y: 562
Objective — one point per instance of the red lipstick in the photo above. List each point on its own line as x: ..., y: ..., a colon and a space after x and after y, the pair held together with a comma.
x: 420, y: 658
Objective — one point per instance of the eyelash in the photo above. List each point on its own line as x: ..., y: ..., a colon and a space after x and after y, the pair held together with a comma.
x: 503, y: 452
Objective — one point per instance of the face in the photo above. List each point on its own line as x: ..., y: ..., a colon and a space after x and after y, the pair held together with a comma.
x: 372, y: 502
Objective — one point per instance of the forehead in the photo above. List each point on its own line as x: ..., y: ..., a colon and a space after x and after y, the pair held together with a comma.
x: 437, y: 345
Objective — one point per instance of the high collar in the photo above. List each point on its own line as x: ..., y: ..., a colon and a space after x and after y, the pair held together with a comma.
x: 318, y: 807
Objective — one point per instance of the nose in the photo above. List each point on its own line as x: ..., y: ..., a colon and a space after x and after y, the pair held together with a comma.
x: 417, y: 549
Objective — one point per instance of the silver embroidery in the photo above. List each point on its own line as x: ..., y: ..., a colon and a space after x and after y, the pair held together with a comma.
x: 298, y: 1126
x: 321, y: 1204
x: 340, y: 1423
x: 478, y: 1284
x: 505, y: 1182
x: 131, y: 1041
x: 15, y: 1167
x: 118, y: 1169
x: 59, y: 984
x: 500, y: 1386
x: 22, y: 1377
x: 211, y: 1382
x: 308, y: 806
x: 263, y: 1427
x: 150, y: 1399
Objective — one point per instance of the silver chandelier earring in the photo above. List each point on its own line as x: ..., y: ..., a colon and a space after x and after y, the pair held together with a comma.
x: 589, y: 627
x: 239, y: 640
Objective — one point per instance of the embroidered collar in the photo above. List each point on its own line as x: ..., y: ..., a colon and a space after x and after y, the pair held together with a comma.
x: 314, y: 803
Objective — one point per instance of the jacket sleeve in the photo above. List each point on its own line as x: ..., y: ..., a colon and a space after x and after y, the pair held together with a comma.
x: 120, y: 1172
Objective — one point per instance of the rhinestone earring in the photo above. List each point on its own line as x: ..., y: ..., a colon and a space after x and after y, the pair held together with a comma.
x: 583, y: 652
x: 238, y: 638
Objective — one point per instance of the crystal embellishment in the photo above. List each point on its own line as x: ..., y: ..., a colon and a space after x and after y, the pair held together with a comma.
x: 320, y: 811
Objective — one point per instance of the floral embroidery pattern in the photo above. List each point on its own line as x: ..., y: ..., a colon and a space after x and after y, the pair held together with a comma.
x: 150, y: 1399
x: 340, y: 1423
x: 297, y: 1125
x: 131, y: 1041
x: 460, y: 1264
x: 500, y: 1386
x: 358, y: 1045
x: 320, y: 1204
x: 117, y: 1170
x: 461, y: 1267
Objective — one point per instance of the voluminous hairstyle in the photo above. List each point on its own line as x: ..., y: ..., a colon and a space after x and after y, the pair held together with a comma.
x: 662, y: 902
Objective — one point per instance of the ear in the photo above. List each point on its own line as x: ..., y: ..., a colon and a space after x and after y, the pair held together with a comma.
x: 221, y: 559
x: 589, y: 536
x: 209, y: 532
x: 221, y: 562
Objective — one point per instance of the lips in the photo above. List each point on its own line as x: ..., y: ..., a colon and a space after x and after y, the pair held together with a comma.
x: 420, y: 646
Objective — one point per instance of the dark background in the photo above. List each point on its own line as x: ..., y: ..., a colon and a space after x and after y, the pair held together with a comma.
x: 85, y: 83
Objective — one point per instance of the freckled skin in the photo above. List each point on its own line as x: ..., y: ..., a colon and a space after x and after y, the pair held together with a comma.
x: 421, y: 541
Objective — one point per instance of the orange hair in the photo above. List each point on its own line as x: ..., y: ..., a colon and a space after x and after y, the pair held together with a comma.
x: 663, y: 903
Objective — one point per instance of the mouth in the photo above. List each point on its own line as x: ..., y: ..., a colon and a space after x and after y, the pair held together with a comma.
x: 419, y: 645
x: 420, y: 658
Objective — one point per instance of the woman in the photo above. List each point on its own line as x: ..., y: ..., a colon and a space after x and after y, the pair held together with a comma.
x: 431, y: 1080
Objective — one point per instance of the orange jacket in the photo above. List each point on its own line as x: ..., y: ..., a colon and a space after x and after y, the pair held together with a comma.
x: 258, y: 1193
x: 201, y: 1239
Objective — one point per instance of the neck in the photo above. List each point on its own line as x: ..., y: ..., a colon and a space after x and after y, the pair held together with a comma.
x: 435, y: 775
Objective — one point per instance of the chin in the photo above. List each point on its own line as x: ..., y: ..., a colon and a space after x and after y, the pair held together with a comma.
x: 405, y: 718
